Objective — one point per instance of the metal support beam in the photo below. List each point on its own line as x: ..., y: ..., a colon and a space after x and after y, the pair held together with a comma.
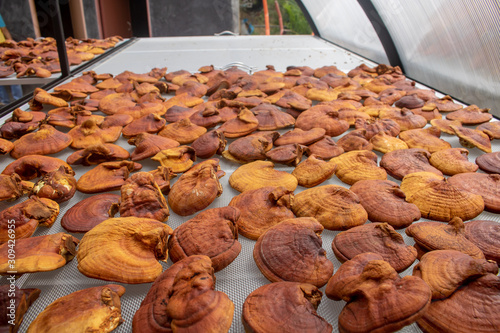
x: 308, y: 17
x: 55, y: 15
x: 382, y: 32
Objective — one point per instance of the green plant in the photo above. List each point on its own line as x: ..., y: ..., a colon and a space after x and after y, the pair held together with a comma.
x: 294, y: 19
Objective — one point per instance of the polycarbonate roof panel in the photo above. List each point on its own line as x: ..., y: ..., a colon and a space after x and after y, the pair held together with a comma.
x: 346, y: 24
x: 453, y: 46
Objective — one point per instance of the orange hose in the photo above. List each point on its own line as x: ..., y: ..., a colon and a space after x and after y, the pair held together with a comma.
x: 280, y: 19
x: 266, y: 17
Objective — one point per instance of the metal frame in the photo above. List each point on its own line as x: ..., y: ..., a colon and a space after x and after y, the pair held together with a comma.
x: 309, y: 19
x: 382, y: 32
x: 25, y: 99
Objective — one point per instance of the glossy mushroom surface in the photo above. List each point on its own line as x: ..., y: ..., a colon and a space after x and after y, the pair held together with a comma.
x: 183, y: 298
x: 124, y: 250
x: 378, y: 238
x: 39, y: 254
x: 431, y: 236
x: 261, y: 209
x: 447, y: 270
x: 89, y: 212
x: 384, y: 201
x: 197, y: 188
x: 94, y: 308
x: 334, y: 206
x: 438, y: 199
x: 378, y: 299
x: 285, y: 307
x: 213, y: 233
x: 294, y: 242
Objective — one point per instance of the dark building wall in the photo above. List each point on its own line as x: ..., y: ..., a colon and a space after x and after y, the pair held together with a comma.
x: 91, y: 23
x: 192, y: 17
x: 17, y: 17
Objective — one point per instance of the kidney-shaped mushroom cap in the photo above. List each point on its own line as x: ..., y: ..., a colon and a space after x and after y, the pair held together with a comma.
x: 183, y: 298
x: 183, y: 131
x: 148, y: 145
x: 374, y: 126
x: 39, y: 254
x: 43, y: 97
x: 378, y: 300
x: 259, y: 174
x: 197, y: 188
x: 47, y: 140
x: 473, y: 308
x: 334, y: 206
x: 107, y: 176
x: 213, y: 233
x: 209, y: 144
x: 179, y: 158
x: 261, y: 209
x: 444, y: 125
x: 470, y: 115
x: 142, y: 197
x: 357, y: 165
x: 425, y: 138
x: 292, y: 251
x: 471, y: 138
x: 288, y: 154
x: 97, y: 154
x: 347, y: 274
x: 355, y: 140
x: 28, y: 215
x: 438, y: 199
x: 447, y: 270
x: 378, y: 238
x: 245, y: 123
x: 489, y: 162
x: 125, y: 250
x: 406, y: 119
x: 430, y: 236
x: 313, y: 171
x: 284, y: 307
x: 86, y: 310
x: 33, y: 166
x: 89, y: 212
x: 150, y: 123
x: 410, y: 102
x: 384, y: 201
x: 452, y: 161
x: 485, y: 235
x: 300, y: 136
x: 487, y: 186
x: 286, y: 98
x: 251, y: 147
x: 399, y: 163
x: 89, y: 134
x: 322, y: 116
x: 271, y: 118
x: 491, y: 128
x: 325, y: 148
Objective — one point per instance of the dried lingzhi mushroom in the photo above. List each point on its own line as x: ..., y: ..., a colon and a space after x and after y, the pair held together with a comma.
x: 125, y: 250
x: 213, y: 233
x: 293, y: 243
x: 86, y: 310
x: 183, y: 298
